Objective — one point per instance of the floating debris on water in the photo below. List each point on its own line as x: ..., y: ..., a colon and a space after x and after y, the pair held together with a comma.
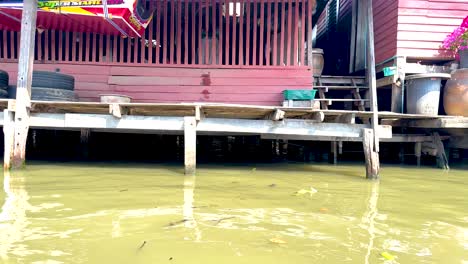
x: 304, y: 191
x: 277, y: 240
x: 387, y: 255
x: 177, y: 222
x: 123, y: 190
x: 272, y: 185
x: 142, y: 245
x: 324, y: 210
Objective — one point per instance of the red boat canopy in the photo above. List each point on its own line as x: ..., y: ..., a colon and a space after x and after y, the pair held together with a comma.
x: 110, y: 17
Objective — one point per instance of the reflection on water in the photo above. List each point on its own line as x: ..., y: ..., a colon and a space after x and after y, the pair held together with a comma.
x: 108, y: 214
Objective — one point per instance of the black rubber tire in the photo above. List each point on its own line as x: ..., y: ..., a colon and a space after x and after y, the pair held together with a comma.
x: 4, y: 78
x: 53, y: 80
x: 3, y: 93
x: 52, y: 94
x: 12, y: 91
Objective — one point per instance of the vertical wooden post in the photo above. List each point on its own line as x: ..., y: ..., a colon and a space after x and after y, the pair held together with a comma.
x: 190, y: 144
x: 84, y: 139
x: 23, y: 92
x: 334, y: 152
x: 417, y: 152
x: 9, y: 136
x: 372, y: 168
x: 371, y: 157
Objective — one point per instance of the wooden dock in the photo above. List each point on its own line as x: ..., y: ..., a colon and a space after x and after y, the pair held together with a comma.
x: 195, y: 119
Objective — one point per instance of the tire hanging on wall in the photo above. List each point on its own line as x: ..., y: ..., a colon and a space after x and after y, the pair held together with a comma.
x: 3, y: 79
x: 52, y: 94
x: 53, y: 80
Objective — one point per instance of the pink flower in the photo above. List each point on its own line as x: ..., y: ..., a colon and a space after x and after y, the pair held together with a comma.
x: 464, y: 24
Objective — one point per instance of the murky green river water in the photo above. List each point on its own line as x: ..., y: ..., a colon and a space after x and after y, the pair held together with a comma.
x: 103, y: 213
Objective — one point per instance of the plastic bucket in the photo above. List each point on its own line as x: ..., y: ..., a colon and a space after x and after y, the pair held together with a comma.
x: 423, y: 93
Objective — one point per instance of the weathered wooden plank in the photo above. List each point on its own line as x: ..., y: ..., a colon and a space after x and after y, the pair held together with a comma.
x: 371, y: 75
x: 289, y: 127
x: 371, y: 156
x: 190, y: 145
x: 241, y: 33
x: 9, y: 137
x: 154, y: 81
x: 23, y: 91
x: 88, y: 47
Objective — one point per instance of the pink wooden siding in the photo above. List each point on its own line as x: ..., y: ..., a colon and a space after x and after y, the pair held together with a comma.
x: 188, y: 32
x: 423, y: 25
x: 259, y: 86
x: 385, y: 28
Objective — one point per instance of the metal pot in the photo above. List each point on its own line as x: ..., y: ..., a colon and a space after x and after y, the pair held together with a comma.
x: 456, y: 94
x: 317, y: 61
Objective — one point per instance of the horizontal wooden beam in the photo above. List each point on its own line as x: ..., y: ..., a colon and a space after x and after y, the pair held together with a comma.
x: 289, y: 127
x: 394, y: 138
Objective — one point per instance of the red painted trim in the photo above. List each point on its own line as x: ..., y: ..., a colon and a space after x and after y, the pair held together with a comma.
x: 262, y: 32
x: 193, y: 33
x: 241, y: 34
x: 164, y: 30
x: 247, y: 34
x: 171, y: 44
x: 290, y: 30
x: 255, y: 25
x: 228, y: 32
x: 207, y: 26
x: 303, y: 26
x: 213, y: 26
x: 268, y: 34
x: 275, y: 34
x: 178, y: 18
x: 234, y: 48
x: 199, y: 36
x: 283, y: 27
x: 186, y: 30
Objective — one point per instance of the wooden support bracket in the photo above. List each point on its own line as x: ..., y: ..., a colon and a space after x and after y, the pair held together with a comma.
x: 316, y: 116
x: 117, y: 110
x: 442, y: 159
x: 276, y: 115
x: 199, y: 114
x: 346, y: 118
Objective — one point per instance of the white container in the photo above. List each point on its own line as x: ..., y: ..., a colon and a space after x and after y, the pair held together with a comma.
x: 115, y: 98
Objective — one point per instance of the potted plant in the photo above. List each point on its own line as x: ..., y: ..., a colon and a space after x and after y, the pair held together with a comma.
x: 457, y: 42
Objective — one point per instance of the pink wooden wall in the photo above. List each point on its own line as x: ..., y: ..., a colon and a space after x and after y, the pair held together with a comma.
x: 255, y: 86
x: 423, y: 25
x: 385, y: 29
